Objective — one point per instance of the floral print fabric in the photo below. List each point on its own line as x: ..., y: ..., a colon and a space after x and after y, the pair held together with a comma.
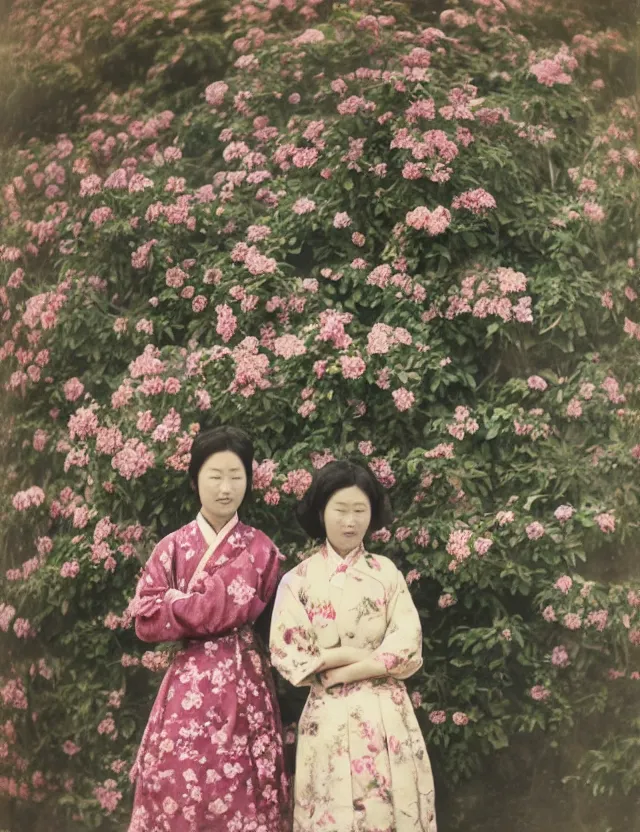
x: 212, y: 755
x: 362, y: 764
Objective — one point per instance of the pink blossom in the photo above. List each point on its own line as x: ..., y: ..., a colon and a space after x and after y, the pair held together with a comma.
x: 598, y: 619
x: 341, y: 220
x: 297, y: 482
x: 403, y: 398
x: 366, y: 448
x: 172, y: 386
x: 73, y: 389
x: 412, y: 575
x: 572, y: 621
x: 139, y: 182
x: 442, y: 451
x: 549, y: 73
x: 437, y: 717
x: 482, y: 546
x: 559, y: 656
x: 108, y: 440
x: 606, y: 523
x: 214, y: 94
x: 100, y: 215
x: 539, y: 693
x: 7, y: 613
x: 140, y: 257
x: 535, y: 530
x: 289, y: 346
x: 574, y: 408
x: 116, y: 180
x: 32, y: 497
x: 305, y: 157
x: 145, y: 325
x: 564, y: 584
x: 309, y: 36
x: 422, y: 538
x: 90, y: 185
x: 352, y: 366
x: 107, y: 796
x: 107, y: 726
x: 272, y: 497
x: 548, y: 613
x: 203, y: 400
x: 593, y: 212
x: 227, y: 322
x: 306, y: 409
x: 478, y: 201
x: 458, y: 544
x: 23, y: 628
x: 303, y: 206
x: 70, y: 569
x: 563, y: 513
x: 13, y: 694
x: 460, y: 718
x: 505, y: 517
x: 383, y: 472
x: 83, y: 423
x: 70, y: 748
x: 134, y: 460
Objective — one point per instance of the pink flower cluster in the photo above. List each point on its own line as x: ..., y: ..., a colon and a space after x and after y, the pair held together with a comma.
x: 297, y: 482
x: 433, y: 222
x: 383, y: 337
x: 31, y: 498
x: 134, y: 460
x: 478, y: 201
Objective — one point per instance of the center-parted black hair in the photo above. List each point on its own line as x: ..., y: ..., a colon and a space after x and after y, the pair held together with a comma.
x: 333, y: 477
x: 214, y: 440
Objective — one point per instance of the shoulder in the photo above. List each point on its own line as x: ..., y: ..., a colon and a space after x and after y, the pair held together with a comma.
x: 186, y: 536
x: 256, y: 540
x: 299, y: 574
x: 382, y: 567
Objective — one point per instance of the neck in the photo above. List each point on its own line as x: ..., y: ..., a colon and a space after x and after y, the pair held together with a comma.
x: 216, y: 522
x: 342, y: 551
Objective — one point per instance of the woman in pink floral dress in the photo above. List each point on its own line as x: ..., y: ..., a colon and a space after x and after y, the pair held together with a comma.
x: 345, y: 624
x: 211, y: 758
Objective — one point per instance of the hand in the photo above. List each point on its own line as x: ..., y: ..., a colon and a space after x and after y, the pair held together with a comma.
x: 360, y: 654
x: 335, y: 676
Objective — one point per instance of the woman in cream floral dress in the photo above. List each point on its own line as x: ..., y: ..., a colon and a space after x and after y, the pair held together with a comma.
x: 345, y: 624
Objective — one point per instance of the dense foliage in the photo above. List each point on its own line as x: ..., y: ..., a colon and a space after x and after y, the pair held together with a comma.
x: 403, y: 235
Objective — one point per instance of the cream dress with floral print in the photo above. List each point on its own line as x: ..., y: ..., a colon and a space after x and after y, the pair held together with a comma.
x: 362, y: 764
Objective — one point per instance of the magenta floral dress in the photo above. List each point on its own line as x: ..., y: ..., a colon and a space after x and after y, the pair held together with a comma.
x: 211, y: 758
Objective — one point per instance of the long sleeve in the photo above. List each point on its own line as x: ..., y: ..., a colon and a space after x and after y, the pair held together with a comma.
x: 234, y: 595
x: 401, y: 647
x: 294, y: 649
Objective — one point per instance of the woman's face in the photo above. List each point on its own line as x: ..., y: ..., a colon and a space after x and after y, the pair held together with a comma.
x: 222, y: 483
x: 347, y: 517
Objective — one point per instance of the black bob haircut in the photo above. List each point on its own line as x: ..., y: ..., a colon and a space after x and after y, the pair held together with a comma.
x: 333, y: 477
x: 214, y: 440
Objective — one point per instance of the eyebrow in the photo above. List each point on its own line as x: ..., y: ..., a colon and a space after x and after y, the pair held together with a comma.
x: 358, y: 505
x: 220, y: 471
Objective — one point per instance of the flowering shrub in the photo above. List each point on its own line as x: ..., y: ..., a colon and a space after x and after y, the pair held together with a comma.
x: 350, y: 249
